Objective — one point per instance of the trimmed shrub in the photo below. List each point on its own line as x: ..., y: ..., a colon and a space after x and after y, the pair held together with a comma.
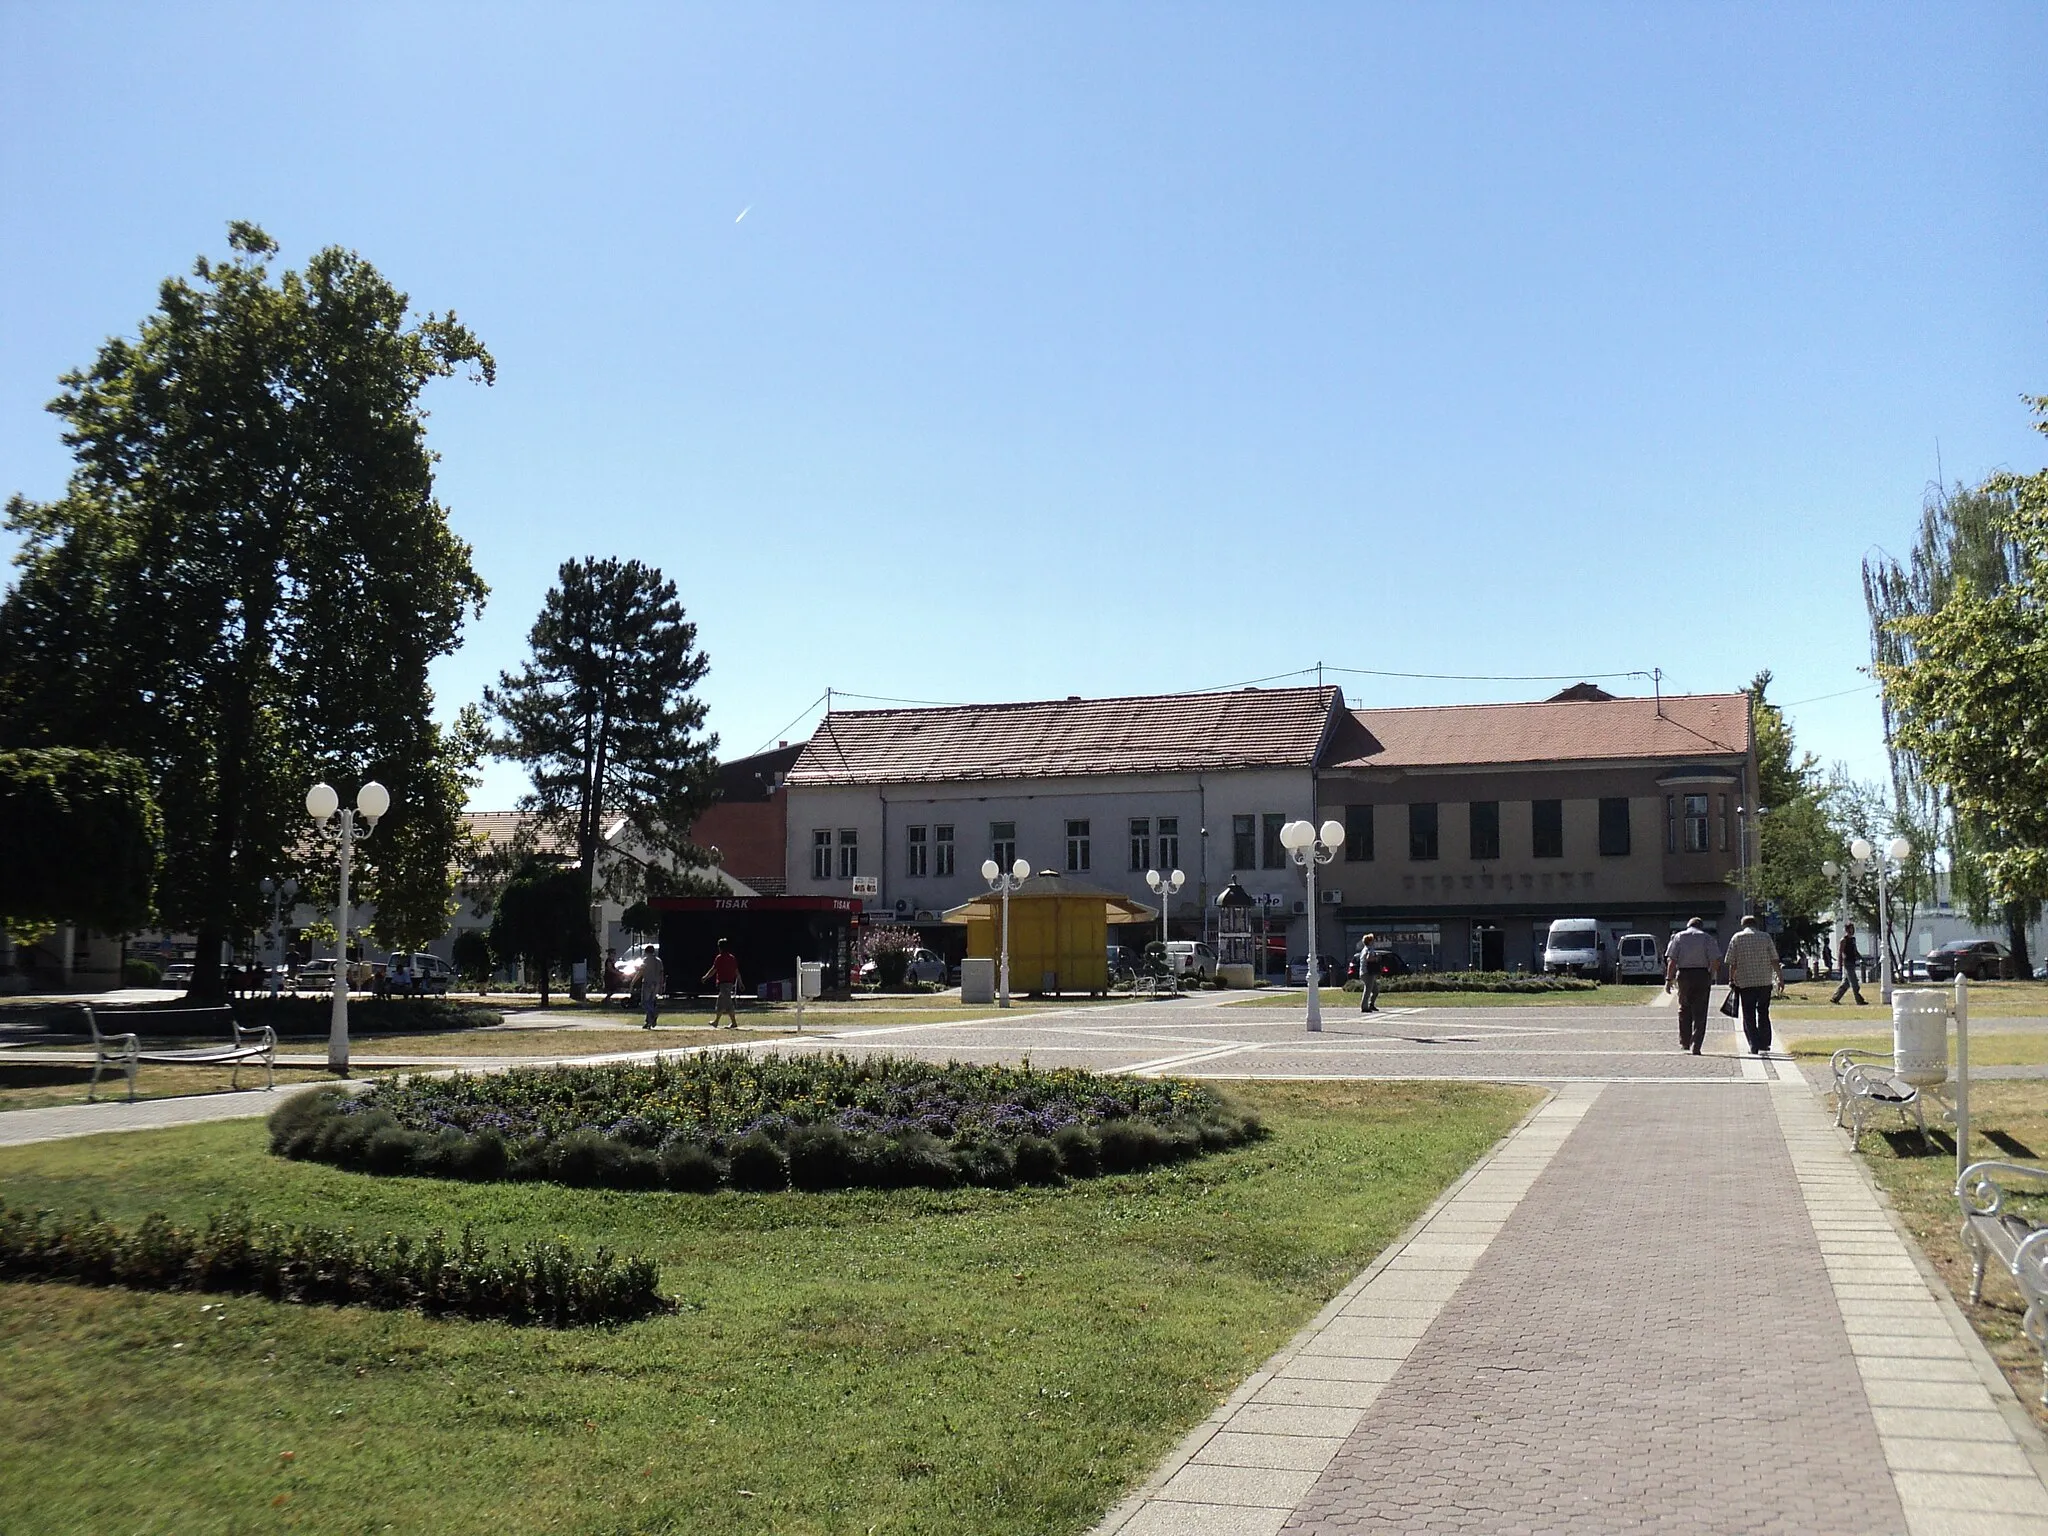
x: 138, y: 972
x: 758, y: 1164
x: 549, y: 1284
x: 1479, y: 981
x: 763, y: 1124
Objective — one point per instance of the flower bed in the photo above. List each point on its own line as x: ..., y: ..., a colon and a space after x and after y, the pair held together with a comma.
x: 545, y: 1283
x: 726, y: 1119
x: 1480, y: 981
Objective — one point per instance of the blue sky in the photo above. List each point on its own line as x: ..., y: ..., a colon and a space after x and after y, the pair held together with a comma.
x: 1101, y: 349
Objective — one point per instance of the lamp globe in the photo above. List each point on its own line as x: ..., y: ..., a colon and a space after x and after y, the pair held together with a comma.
x: 1021, y: 870
x: 1332, y: 833
x: 1899, y: 849
x: 990, y: 869
x: 322, y: 801
x: 1861, y: 850
x: 373, y: 800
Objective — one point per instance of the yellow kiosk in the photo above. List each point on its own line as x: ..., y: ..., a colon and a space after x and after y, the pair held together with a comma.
x: 1059, y: 933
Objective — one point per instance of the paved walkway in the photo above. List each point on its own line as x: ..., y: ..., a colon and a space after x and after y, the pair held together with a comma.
x: 1657, y: 1308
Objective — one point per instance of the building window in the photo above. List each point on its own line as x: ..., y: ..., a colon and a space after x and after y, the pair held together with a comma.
x: 1077, y: 845
x: 1422, y: 830
x: 1141, y: 844
x: 1244, y: 842
x: 1696, y: 824
x: 821, y: 854
x: 1546, y: 829
x: 849, y: 852
x: 1614, y: 827
x: 1724, y: 822
x: 1358, y: 834
x: 1169, y: 843
x: 1272, y: 850
x: 914, y: 852
x: 1485, y: 820
x: 942, y: 851
x: 1002, y: 843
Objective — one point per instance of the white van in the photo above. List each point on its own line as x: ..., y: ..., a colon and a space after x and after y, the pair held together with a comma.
x: 1638, y: 958
x: 1577, y: 946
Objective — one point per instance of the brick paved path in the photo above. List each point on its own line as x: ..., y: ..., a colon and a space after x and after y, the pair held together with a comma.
x: 1673, y: 1307
x: 1651, y: 1345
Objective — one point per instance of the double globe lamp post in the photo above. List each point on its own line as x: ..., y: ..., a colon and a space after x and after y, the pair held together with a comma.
x: 1005, y: 881
x: 1896, y: 852
x: 322, y: 804
x: 1166, y: 885
x: 1309, y: 845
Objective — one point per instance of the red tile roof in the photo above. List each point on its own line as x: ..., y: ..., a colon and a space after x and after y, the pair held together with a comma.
x: 1054, y: 738
x: 1696, y: 725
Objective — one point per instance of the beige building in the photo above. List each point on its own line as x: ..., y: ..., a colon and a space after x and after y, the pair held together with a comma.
x: 1471, y: 827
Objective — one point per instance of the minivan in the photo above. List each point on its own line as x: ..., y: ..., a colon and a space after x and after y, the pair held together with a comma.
x: 1637, y: 958
x: 1577, y: 946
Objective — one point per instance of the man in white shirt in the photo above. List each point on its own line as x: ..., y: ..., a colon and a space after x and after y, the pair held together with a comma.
x: 1689, y: 962
x: 1754, y: 971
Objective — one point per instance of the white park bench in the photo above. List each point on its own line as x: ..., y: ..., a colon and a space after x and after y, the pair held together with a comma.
x: 1866, y: 1083
x: 1991, y: 1230
x: 244, y: 1046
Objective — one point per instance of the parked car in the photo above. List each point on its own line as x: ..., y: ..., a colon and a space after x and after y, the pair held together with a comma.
x: 178, y: 974
x: 1978, y: 959
x: 1191, y: 957
x: 416, y: 974
x: 630, y: 962
x: 1577, y: 946
x: 1326, y: 971
x: 1638, y: 957
x: 1385, y: 961
x: 924, y: 965
x: 314, y: 976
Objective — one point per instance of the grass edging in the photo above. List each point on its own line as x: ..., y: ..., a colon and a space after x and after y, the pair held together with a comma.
x: 544, y: 1283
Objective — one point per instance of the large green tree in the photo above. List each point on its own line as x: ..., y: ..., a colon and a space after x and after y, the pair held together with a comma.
x: 605, y: 720
x: 78, y: 840
x: 543, y: 919
x: 1965, y: 674
x: 248, y: 575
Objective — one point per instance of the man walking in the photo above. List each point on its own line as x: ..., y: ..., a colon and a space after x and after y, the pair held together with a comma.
x: 1852, y: 967
x: 1368, y: 976
x: 1689, y: 970
x: 725, y: 970
x: 653, y: 982
x: 1754, y: 972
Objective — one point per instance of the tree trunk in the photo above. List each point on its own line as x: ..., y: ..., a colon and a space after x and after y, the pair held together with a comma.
x: 2016, y: 915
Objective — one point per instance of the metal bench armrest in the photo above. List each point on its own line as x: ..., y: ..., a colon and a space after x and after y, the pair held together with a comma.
x: 1983, y: 1195
x: 262, y: 1034
x: 1840, y: 1062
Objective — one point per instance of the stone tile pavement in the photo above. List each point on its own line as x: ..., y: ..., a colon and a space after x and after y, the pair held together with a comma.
x: 1670, y: 1307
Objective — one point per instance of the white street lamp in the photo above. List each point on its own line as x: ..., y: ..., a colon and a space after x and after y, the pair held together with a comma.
x: 372, y: 801
x: 1858, y: 866
x: 277, y: 890
x: 1896, y: 853
x: 1166, y: 885
x: 1309, y: 845
x: 1006, y: 881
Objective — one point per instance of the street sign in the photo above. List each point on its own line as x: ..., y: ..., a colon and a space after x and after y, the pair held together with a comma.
x: 866, y: 885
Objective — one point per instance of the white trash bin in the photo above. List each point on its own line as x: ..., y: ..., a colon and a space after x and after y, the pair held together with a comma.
x: 977, y: 981
x: 1920, y: 1036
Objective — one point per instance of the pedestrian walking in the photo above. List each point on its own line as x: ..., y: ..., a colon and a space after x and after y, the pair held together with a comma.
x: 1368, y: 975
x: 1754, y: 972
x: 725, y: 971
x: 611, y: 972
x: 653, y: 983
x: 1689, y: 971
x: 1852, y: 966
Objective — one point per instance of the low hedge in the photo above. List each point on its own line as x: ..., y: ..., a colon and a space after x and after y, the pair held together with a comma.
x: 543, y: 1283
x: 729, y: 1120
x: 138, y: 972
x: 1480, y: 981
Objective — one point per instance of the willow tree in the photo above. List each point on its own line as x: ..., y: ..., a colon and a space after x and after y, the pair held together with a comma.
x: 248, y: 575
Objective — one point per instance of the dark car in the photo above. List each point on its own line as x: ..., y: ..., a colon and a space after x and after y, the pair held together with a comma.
x: 1384, y: 961
x: 1978, y: 959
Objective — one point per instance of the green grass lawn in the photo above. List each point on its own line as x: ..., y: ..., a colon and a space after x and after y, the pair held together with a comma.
x: 908, y: 1362
x: 1606, y: 995
x: 1988, y: 1000
x: 1998, y: 1048
x: 27, y: 1086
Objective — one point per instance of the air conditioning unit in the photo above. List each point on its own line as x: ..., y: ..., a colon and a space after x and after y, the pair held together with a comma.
x: 1332, y: 898
x: 924, y: 916
x: 1301, y: 909
x: 902, y: 907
